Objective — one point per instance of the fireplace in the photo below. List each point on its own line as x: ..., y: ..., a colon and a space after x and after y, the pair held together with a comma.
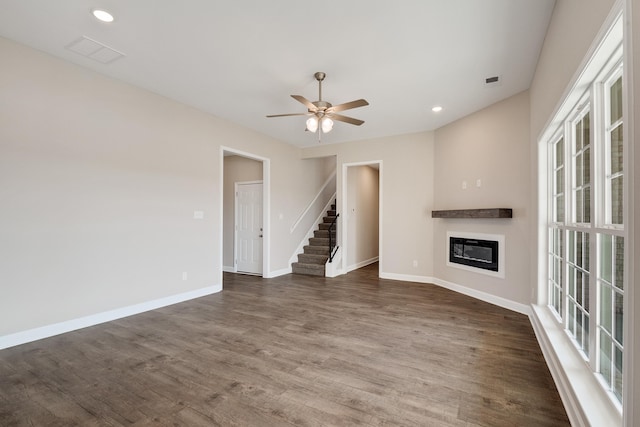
x: 481, y: 253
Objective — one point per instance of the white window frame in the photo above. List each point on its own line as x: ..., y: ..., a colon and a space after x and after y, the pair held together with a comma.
x: 586, y: 402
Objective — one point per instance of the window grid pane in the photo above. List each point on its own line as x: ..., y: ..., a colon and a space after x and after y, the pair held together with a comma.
x: 610, y: 310
x: 582, y: 170
x: 615, y: 100
x: 555, y: 270
x: 558, y: 184
x: 578, y: 289
x: 614, y: 204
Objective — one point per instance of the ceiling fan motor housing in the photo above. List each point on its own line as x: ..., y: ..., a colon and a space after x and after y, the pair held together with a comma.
x: 321, y: 106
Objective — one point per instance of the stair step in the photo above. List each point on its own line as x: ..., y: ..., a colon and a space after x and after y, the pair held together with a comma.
x: 320, y: 259
x: 318, y: 250
x: 308, y: 269
x: 319, y: 241
x: 325, y: 234
x: 316, y: 253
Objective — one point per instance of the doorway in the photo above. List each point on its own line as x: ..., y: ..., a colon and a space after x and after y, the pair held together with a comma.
x: 239, y: 167
x: 362, y: 202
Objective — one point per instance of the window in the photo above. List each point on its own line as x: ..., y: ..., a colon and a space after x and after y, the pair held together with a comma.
x: 578, y: 289
x: 581, y: 162
x: 586, y: 230
x: 610, y: 285
x: 614, y: 151
x: 558, y: 181
x: 555, y: 268
x: 555, y: 233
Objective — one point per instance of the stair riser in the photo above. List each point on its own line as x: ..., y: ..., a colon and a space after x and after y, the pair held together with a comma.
x: 324, y: 234
x: 319, y: 241
x: 308, y: 269
x: 317, y: 250
x: 328, y: 219
x: 313, y: 259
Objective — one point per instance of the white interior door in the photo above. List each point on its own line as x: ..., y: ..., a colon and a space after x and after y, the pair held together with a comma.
x: 248, y: 252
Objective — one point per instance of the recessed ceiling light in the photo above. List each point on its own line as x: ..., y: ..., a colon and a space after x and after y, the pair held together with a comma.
x: 436, y: 109
x: 102, y: 15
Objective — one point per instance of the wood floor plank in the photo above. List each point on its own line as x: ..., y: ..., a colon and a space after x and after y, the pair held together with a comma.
x: 291, y: 351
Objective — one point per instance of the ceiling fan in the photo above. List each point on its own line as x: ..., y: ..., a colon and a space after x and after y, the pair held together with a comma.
x: 322, y: 113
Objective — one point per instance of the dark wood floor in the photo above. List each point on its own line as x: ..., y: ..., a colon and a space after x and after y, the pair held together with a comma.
x: 293, y: 350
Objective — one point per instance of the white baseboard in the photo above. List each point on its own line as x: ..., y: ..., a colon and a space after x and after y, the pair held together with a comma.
x: 362, y: 264
x: 228, y: 269
x: 483, y: 296
x: 95, y: 319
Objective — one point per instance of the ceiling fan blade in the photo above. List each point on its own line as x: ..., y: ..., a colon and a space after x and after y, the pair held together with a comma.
x: 341, y: 118
x: 348, y: 105
x: 290, y: 114
x: 305, y: 101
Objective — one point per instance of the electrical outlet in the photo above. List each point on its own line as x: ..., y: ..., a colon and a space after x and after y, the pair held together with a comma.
x: 478, y: 183
x: 184, y: 275
x: 464, y: 185
x: 415, y: 262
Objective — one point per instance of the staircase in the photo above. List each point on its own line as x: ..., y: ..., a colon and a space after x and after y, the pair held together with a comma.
x: 316, y: 253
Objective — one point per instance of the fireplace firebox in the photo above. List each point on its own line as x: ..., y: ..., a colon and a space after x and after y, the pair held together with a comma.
x: 477, y: 252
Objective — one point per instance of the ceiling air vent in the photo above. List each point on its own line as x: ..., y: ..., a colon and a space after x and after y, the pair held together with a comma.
x: 492, y: 81
x: 94, y: 50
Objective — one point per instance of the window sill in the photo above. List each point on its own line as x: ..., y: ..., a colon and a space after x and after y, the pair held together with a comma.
x: 585, y: 401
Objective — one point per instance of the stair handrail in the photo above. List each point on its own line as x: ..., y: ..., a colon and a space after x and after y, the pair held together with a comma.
x: 332, y: 227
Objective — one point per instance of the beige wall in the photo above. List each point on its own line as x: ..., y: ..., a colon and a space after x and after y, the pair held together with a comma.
x: 574, y: 25
x: 491, y: 145
x: 406, y: 190
x: 99, y: 182
x: 362, y: 215
x: 236, y: 169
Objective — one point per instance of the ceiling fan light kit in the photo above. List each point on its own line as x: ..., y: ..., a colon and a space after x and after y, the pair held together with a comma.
x: 323, y: 113
x: 326, y: 124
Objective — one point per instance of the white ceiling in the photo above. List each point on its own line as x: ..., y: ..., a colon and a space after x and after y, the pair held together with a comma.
x: 241, y: 59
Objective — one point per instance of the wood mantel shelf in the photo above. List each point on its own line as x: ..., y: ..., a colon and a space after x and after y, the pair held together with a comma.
x: 474, y: 213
